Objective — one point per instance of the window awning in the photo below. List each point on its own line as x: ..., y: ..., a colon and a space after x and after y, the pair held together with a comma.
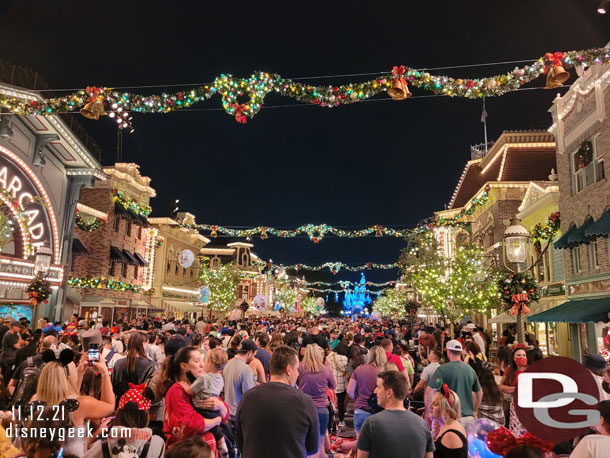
x: 121, y: 211
x: 134, y: 216
x: 576, y: 311
x: 143, y: 219
x: 601, y: 227
x: 140, y: 259
x: 562, y: 243
x: 579, y: 237
x: 130, y: 257
x: 117, y: 255
x: 78, y: 249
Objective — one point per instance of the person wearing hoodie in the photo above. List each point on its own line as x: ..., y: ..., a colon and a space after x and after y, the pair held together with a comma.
x: 130, y: 434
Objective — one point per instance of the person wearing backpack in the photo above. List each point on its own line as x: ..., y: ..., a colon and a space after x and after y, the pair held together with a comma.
x: 130, y: 435
x: 25, y: 378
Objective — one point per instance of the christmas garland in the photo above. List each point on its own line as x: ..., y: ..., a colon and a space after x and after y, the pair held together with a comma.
x: 316, y: 232
x: 335, y: 267
x: 347, y: 284
x: 104, y: 283
x: 130, y: 204
x: 9, y: 200
x: 38, y: 291
x: 547, y: 231
x: 259, y: 84
x: 459, y: 218
x: 87, y: 227
x: 518, y: 291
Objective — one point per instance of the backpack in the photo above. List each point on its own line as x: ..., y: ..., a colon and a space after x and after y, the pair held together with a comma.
x: 26, y: 388
x: 229, y: 435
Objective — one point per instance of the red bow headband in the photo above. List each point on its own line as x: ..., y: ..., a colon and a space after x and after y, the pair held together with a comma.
x: 445, y: 391
x: 135, y: 394
x: 501, y: 441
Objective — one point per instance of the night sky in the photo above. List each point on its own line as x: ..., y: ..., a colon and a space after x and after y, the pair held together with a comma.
x: 378, y: 162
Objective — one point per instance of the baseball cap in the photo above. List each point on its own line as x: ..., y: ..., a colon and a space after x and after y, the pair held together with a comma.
x: 454, y: 345
x: 379, y: 334
x: 92, y: 336
x: 247, y: 345
x: 82, y: 323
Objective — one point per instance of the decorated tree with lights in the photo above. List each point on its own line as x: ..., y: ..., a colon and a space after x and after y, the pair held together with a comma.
x: 391, y: 303
x: 286, y: 297
x: 455, y: 286
x: 222, y: 283
x: 309, y: 305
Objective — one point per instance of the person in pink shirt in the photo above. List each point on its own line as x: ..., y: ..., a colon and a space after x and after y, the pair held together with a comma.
x: 388, y: 347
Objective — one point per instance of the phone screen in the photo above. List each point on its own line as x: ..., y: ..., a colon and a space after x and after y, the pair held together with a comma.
x: 94, y: 353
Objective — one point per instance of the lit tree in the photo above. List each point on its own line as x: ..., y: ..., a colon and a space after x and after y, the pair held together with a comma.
x: 309, y: 305
x: 222, y: 283
x: 455, y: 286
x: 286, y: 297
x: 391, y: 303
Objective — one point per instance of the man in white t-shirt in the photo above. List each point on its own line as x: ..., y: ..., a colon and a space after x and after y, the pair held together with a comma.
x: 596, y: 445
x: 434, y: 358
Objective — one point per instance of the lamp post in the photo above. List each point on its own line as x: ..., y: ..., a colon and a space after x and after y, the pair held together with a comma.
x: 42, y: 267
x: 517, y: 251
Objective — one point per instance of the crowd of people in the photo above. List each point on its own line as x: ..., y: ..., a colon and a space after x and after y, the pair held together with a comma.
x: 265, y: 387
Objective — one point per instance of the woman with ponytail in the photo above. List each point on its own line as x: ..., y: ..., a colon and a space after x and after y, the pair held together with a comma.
x: 448, y: 433
x: 181, y: 419
x: 136, y: 368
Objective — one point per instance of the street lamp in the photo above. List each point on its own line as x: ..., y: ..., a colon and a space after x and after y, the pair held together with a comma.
x: 517, y: 251
x: 42, y: 267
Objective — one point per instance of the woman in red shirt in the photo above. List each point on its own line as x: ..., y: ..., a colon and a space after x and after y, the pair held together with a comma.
x: 181, y: 420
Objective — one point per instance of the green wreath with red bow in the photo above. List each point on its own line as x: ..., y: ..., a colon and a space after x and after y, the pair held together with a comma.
x: 39, y: 291
x: 518, y: 291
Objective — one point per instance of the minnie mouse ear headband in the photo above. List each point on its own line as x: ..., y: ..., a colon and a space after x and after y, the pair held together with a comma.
x: 65, y: 357
x: 501, y: 441
x: 135, y: 394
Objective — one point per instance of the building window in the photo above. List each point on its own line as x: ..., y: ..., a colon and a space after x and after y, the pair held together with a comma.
x: 117, y: 224
x: 168, y: 266
x: 111, y: 269
x: 543, y: 268
x: 128, y: 230
x: 135, y: 273
x: 593, y: 255
x: 140, y: 232
x: 124, y: 270
x: 244, y: 292
x: 575, y: 259
x: 587, y: 169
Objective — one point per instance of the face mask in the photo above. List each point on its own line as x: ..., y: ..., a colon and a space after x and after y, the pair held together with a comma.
x: 521, y: 361
x: 300, y: 340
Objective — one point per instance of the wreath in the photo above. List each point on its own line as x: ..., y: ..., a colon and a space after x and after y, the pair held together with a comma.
x: 411, y: 308
x: 87, y: 227
x: 39, y: 291
x: 547, y: 231
x: 518, y: 291
x: 244, y: 306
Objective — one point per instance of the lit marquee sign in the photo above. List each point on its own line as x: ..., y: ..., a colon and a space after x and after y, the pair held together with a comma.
x: 21, y: 182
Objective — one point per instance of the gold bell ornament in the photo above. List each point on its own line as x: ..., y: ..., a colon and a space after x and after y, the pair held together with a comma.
x: 400, y: 88
x: 556, y: 77
x: 93, y: 110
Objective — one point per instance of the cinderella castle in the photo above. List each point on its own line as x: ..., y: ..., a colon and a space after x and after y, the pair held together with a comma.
x: 356, y: 300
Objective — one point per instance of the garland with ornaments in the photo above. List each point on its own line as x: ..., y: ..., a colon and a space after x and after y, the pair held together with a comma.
x: 8, y: 199
x: 38, y: 291
x: 315, y: 232
x: 104, y: 283
x: 344, y: 290
x: 130, y: 204
x: 85, y: 226
x: 547, y: 231
x: 459, y: 218
x: 518, y: 291
x: 94, y: 101
x: 335, y: 267
x: 346, y: 284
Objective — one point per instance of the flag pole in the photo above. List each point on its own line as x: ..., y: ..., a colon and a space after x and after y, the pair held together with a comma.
x: 484, y: 120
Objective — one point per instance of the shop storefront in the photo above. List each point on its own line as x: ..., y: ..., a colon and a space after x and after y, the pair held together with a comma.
x: 43, y: 168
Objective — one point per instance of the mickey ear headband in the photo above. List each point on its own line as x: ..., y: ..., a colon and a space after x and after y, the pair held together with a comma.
x: 67, y: 405
x: 66, y: 356
x: 445, y: 391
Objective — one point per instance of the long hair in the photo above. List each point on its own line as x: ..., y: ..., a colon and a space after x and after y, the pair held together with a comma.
x: 355, y: 356
x: 448, y: 411
x: 377, y: 356
x: 91, y: 384
x: 235, y: 342
x: 276, y: 341
x: 313, y: 361
x: 491, y: 391
x: 53, y: 384
x: 135, y: 349
x: 472, y: 347
x: 131, y: 417
x: 510, y: 375
x: 503, y: 356
x: 172, y: 364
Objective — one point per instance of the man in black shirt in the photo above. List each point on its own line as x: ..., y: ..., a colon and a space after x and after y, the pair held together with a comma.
x: 33, y: 341
x: 275, y: 419
x: 314, y: 337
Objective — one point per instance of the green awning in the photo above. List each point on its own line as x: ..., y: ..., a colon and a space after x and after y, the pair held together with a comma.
x: 579, y: 237
x: 563, y: 240
x: 576, y: 311
x: 601, y: 227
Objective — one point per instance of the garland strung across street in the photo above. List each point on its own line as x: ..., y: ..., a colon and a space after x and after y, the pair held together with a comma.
x: 330, y: 290
x: 93, y: 102
x: 347, y: 284
x: 316, y: 232
x: 335, y: 267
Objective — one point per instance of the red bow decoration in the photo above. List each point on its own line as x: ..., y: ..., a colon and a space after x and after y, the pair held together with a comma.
x: 240, y: 117
x: 378, y: 231
x: 520, y: 300
x: 446, y: 392
x: 135, y: 394
x: 214, y: 232
x: 554, y: 58
x: 501, y: 441
x: 95, y: 94
x: 398, y: 73
x: 71, y: 333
